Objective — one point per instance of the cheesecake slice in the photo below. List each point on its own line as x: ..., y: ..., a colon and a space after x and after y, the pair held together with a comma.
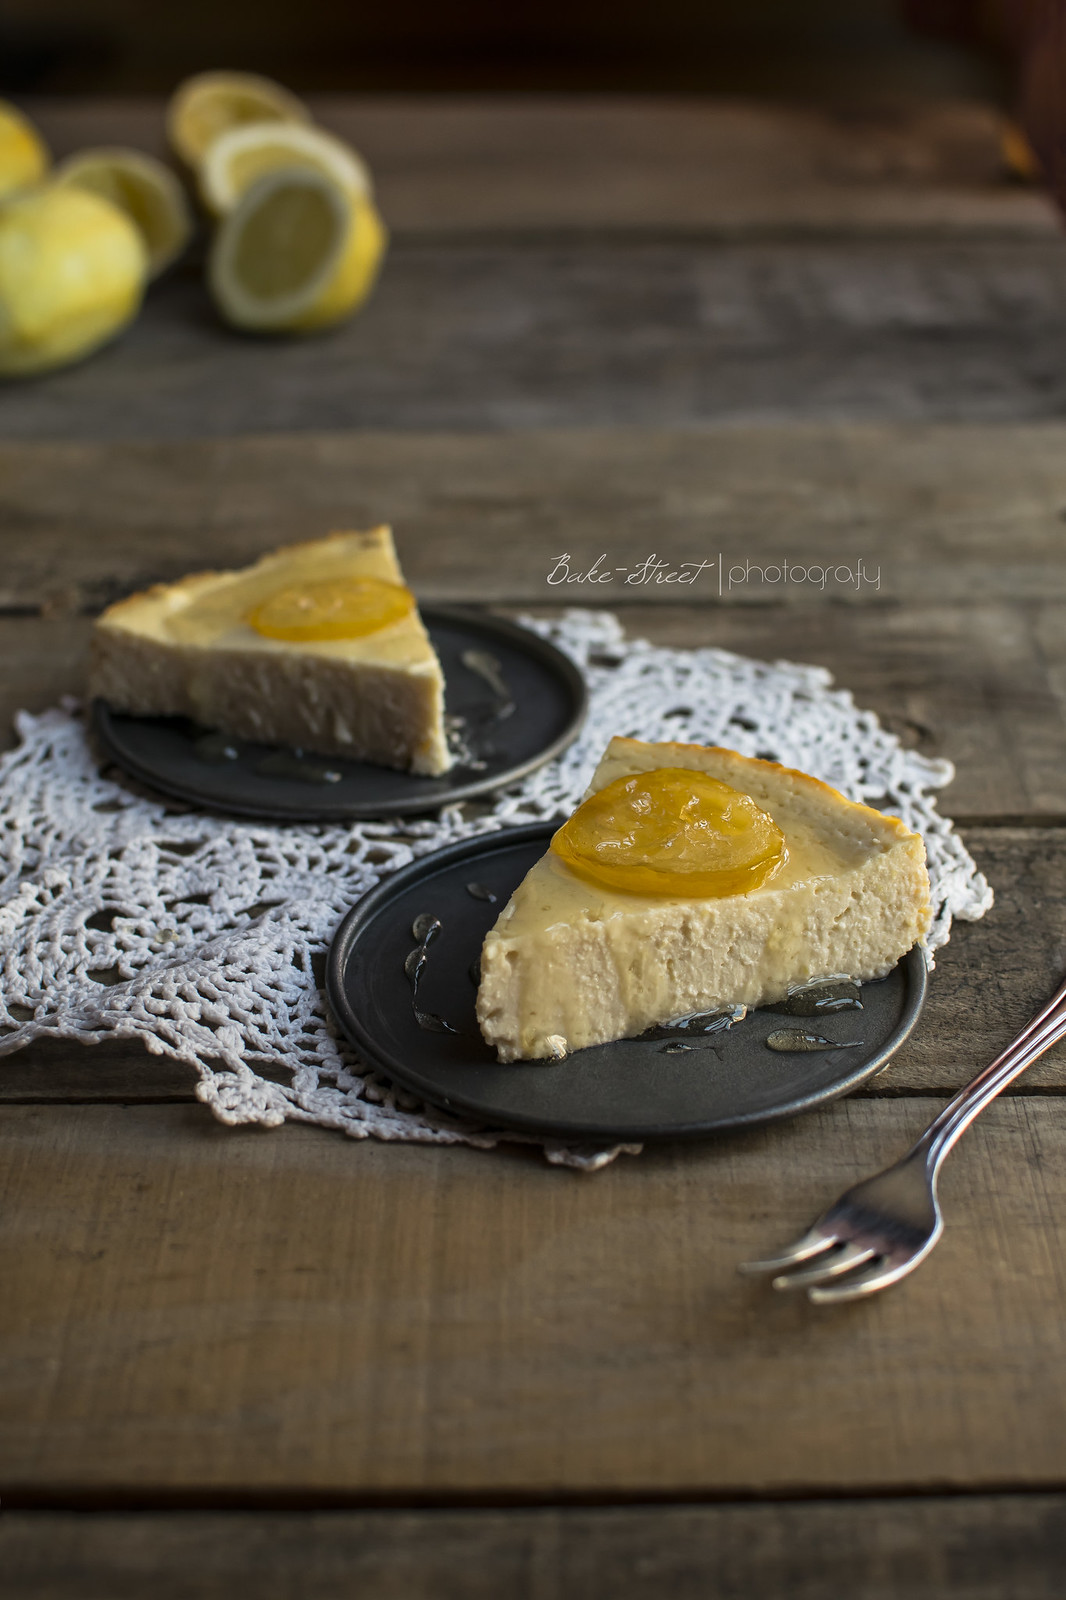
x: 573, y: 962
x: 317, y: 646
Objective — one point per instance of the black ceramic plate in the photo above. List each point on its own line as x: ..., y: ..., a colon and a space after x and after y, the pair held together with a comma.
x: 634, y: 1089
x: 549, y: 706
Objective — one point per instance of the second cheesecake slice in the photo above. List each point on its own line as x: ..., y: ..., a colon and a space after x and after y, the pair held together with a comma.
x: 318, y: 646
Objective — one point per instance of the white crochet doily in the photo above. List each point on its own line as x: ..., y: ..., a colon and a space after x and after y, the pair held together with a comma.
x: 123, y: 915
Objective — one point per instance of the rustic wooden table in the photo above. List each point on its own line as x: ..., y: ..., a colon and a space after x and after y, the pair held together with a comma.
x: 323, y: 1368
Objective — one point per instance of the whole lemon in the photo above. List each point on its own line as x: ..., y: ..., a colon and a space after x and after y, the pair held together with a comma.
x: 23, y: 155
x: 72, y: 273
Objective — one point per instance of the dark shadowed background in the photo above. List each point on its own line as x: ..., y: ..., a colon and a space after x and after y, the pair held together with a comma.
x: 842, y: 49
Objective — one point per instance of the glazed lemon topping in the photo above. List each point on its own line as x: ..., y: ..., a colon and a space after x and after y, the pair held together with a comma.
x: 672, y: 832
x: 341, y: 608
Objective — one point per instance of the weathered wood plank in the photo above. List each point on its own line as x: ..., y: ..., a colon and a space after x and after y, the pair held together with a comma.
x: 941, y: 515
x: 115, y: 1070
x: 577, y: 333
x: 189, y: 1308
x: 477, y: 163
x: 978, y: 1547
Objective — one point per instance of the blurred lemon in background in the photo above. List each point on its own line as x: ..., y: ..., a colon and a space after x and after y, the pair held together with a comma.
x: 72, y: 272
x: 24, y: 156
x: 211, y: 103
x: 296, y: 253
x: 147, y: 191
x: 298, y: 245
x: 238, y: 158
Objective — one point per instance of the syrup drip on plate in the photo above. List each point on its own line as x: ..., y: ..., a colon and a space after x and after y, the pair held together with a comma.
x: 823, y: 998
x: 468, y: 733
x: 691, y: 1033
x: 425, y: 929
x: 478, y: 891
x: 490, y: 671
x: 796, y: 1039
x: 461, y: 745
x: 215, y: 748
x: 294, y: 764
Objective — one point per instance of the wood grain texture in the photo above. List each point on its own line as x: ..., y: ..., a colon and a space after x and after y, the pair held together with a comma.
x: 571, y: 332
x: 455, y: 163
x: 938, y: 515
x: 190, y: 1308
x: 980, y: 1547
x: 120, y: 1070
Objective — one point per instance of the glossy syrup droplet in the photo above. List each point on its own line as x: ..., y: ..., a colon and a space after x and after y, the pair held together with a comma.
x: 678, y: 1047
x: 823, y: 998
x: 490, y: 671
x: 294, y: 764
x: 480, y: 892
x: 413, y: 965
x: 797, y: 1040
x: 215, y: 748
x: 700, y: 1022
x: 425, y: 929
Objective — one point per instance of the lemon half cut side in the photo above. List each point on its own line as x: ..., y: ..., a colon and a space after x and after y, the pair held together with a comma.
x: 209, y: 104
x: 72, y: 273
x: 24, y: 157
x: 147, y: 191
x: 296, y: 254
x: 244, y: 154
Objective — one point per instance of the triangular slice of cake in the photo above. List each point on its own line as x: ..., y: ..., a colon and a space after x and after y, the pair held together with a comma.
x: 826, y: 887
x: 318, y: 646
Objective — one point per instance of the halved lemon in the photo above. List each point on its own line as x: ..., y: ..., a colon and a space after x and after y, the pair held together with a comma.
x: 72, y: 273
x: 209, y: 104
x: 24, y: 157
x: 295, y: 254
x: 237, y: 158
x: 147, y: 191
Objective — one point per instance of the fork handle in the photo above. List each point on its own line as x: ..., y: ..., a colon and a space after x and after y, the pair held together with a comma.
x: 1048, y: 1026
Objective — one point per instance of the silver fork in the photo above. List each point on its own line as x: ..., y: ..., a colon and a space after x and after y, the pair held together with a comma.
x: 880, y: 1230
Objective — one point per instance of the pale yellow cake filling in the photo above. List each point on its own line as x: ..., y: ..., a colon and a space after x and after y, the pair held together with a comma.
x: 570, y: 963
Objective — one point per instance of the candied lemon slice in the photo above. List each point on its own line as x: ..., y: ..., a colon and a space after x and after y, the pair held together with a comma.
x: 237, y: 158
x: 148, y: 192
x: 23, y: 154
x: 204, y: 106
x: 72, y: 273
x: 295, y: 254
x: 344, y: 608
x: 672, y: 832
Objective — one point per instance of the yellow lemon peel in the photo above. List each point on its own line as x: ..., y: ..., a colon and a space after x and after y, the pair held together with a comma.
x: 207, y: 105
x: 147, y: 191
x: 24, y: 158
x: 672, y: 832
x: 72, y: 273
x: 342, y: 608
x: 296, y: 253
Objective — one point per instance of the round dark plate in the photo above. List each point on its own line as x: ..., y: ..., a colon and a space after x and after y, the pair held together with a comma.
x: 549, y: 707
x: 630, y: 1090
